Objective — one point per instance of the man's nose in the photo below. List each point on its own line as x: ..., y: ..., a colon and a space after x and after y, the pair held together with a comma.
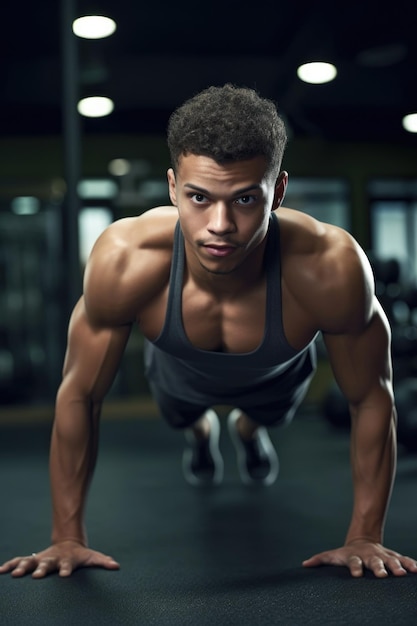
x: 221, y: 219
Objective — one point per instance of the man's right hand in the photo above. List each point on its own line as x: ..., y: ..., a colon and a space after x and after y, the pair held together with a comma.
x: 64, y: 557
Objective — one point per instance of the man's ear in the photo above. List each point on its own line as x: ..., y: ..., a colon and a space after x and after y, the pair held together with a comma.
x: 280, y: 189
x: 172, y: 188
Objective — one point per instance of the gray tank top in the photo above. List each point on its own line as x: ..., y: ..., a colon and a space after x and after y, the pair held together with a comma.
x: 178, y: 368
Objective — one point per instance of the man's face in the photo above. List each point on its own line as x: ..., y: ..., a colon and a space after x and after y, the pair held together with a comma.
x: 223, y: 209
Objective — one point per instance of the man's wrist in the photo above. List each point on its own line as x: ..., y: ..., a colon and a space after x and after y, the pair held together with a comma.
x: 362, y: 538
x: 56, y: 540
x: 76, y: 535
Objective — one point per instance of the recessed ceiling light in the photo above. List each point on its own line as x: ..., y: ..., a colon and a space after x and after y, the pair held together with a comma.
x: 317, y: 73
x: 93, y: 27
x: 410, y: 122
x: 95, y: 106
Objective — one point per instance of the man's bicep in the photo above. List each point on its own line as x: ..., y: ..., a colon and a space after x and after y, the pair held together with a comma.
x: 93, y: 354
x: 361, y: 362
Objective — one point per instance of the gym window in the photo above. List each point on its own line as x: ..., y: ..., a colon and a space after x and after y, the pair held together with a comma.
x: 393, y: 213
x: 326, y: 199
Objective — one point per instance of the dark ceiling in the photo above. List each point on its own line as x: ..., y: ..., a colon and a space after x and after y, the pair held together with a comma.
x: 164, y: 52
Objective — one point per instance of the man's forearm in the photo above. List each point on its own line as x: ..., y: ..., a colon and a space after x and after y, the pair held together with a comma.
x: 373, y: 459
x: 72, y: 460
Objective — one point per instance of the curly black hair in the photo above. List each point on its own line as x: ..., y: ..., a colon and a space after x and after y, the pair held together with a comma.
x: 227, y: 124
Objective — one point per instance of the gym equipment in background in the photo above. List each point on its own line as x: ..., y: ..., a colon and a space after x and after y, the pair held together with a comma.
x: 398, y: 298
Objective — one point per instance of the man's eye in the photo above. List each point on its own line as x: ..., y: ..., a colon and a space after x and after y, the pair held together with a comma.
x: 198, y: 197
x: 245, y: 200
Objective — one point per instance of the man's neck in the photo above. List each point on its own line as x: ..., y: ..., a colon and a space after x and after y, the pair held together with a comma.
x: 247, y: 276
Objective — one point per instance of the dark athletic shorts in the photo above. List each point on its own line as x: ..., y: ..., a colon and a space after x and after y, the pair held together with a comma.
x: 179, y: 413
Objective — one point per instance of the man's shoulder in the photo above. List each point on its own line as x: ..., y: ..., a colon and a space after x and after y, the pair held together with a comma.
x: 319, y: 242
x: 153, y: 228
x: 129, y: 264
x: 306, y: 240
x: 326, y: 270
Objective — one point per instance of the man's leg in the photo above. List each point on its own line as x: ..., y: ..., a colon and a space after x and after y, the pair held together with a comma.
x: 200, y: 429
x: 257, y: 460
x: 256, y: 457
x: 202, y: 462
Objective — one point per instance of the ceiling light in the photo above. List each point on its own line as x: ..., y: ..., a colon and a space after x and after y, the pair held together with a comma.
x: 317, y: 72
x: 95, y: 106
x: 119, y: 167
x: 93, y: 27
x: 410, y: 122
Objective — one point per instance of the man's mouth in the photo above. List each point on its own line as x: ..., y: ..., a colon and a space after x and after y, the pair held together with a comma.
x: 219, y: 250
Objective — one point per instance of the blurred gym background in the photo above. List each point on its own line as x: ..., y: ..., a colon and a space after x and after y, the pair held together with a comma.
x: 67, y: 172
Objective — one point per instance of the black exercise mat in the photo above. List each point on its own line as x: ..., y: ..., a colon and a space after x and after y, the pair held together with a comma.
x: 227, y: 555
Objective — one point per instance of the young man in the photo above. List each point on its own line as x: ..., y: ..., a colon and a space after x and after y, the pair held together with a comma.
x: 230, y: 291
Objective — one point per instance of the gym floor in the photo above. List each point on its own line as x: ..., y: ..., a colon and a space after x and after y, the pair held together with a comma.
x: 229, y: 555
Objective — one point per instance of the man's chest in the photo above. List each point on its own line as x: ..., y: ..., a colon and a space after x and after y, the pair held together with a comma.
x: 235, y: 325
x: 225, y: 324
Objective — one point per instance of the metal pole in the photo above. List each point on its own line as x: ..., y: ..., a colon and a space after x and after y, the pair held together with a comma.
x: 71, y: 127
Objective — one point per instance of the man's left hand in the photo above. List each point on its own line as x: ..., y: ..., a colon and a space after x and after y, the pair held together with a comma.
x: 362, y: 554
